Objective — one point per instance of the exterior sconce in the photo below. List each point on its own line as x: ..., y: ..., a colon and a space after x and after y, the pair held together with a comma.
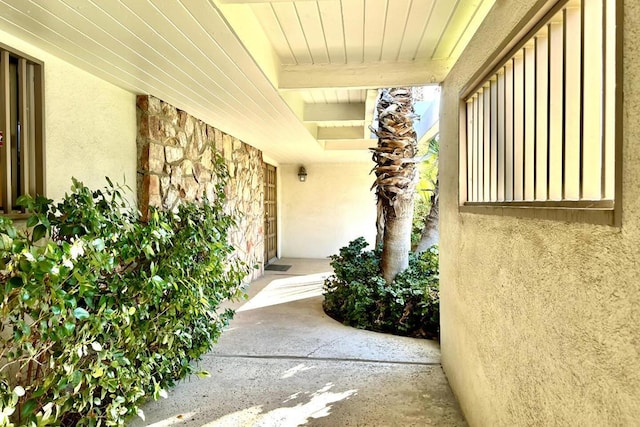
x: 302, y: 174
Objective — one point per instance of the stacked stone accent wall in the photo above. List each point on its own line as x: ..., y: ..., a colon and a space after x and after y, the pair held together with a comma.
x: 175, y: 164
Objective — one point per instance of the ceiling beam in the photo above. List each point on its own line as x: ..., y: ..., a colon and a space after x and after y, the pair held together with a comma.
x: 320, y: 113
x: 433, y: 130
x: 370, y: 106
x: 348, y: 144
x: 256, y: 1
x: 429, y: 115
x: 371, y: 75
x: 342, y: 132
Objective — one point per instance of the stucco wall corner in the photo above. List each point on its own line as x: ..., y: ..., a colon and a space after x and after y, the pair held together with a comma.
x: 334, y: 206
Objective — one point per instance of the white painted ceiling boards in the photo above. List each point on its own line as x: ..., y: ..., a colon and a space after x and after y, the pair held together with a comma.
x: 296, y: 79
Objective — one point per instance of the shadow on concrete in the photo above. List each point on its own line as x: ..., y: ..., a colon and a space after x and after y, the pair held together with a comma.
x: 283, y: 362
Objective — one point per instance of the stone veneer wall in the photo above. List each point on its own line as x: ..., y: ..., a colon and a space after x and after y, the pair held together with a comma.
x: 175, y: 163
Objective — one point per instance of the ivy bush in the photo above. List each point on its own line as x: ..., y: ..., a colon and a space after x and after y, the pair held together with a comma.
x: 357, y: 295
x: 421, y: 209
x: 102, y: 310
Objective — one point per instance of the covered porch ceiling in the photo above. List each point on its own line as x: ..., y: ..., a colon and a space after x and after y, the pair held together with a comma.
x: 296, y: 79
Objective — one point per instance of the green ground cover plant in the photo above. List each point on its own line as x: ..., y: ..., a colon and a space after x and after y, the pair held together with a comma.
x: 101, y: 310
x: 357, y: 295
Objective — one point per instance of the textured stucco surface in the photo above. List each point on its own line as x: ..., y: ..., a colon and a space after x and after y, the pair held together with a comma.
x: 90, y: 130
x: 323, y: 214
x: 540, y: 320
x: 90, y: 126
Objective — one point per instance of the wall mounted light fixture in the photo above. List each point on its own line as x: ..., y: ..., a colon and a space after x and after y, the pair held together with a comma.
x: 302, y: 174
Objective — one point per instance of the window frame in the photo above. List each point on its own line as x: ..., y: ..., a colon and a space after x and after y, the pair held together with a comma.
x: 33, y: 175
x: 605, y: 212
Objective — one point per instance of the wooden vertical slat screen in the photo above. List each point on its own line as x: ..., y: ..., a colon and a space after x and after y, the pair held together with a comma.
x: 14, y: 146
x: 37, y: 112
x: 592, y: 105
x: 469, y: 151
x: 500, y: 99
x: 518, y: 126
x: 480, y: 146
x: 542, y: 126
x: 5, y: 125
x: 30, y: 140
x: 486, y: 144
x: 610, y: 49
x: 573, y: 101
x: 556, y: 112
x: 542, y: 114
x: 508, y: 118
x: 529, y: 160
x: 473, y: 135
x: 22, y: 125
x: 25, y: 130
x: 493, y: 164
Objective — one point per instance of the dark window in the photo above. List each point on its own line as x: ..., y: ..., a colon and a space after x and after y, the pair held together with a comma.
x: 21, y: 129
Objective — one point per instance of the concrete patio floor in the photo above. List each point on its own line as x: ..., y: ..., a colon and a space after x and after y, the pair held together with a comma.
x: 283, y: 362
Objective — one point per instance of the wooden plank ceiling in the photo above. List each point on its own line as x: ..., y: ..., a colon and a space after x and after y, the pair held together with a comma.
x: 356, y: 31
x: 296, y: 79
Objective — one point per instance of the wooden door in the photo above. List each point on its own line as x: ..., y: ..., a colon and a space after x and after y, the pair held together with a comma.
x: 270, y: 214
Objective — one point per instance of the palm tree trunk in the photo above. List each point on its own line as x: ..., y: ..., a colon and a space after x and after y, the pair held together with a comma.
x: 396, y: 244
x: 379, y: 223
x: 396, y: 175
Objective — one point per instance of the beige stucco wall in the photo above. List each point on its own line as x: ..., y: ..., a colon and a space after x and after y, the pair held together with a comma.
x: 333, y: 207
x: 90, y: 126
x: 540, y: 320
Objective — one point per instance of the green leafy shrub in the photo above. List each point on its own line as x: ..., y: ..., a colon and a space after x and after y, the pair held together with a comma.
x: 421, y: 209
x: 357, y: 295
x: 102, y: 310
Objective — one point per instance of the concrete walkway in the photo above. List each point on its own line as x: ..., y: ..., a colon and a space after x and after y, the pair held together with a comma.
x: 283, y: 363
